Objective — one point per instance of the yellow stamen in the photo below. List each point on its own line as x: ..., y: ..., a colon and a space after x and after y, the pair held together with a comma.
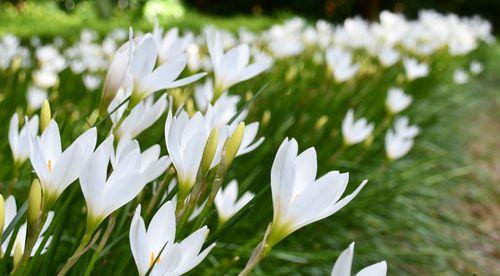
x: 49, y: 164
x: 152, y: 259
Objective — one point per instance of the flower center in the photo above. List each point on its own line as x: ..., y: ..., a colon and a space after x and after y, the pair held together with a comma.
x: 49, y: 165
x: 152, y: 259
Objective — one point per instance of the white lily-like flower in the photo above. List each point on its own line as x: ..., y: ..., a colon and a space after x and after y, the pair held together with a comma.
x: 399, y: 141
x: 388, y: 56
x: 19, y: 139
x: 299, y: 198
x: 355, y: 131
x: 91, y: 82
x: 104, y: 195
x: 204, y: 94
x: 233, y: 66
x: 151, y: 164
x: 10, y: 211
x: 397, y: 100
x: 172, y: 45
x: 21, y: 237
x: 55, y: 168
x: 35, y: 97
x: 156, y: 245
x: 342, y: 266
x: 340, y: 63
x: 227, y: 202
x: 142, y: 116
x: 414, y: 69
x: 45, y: 78
x: 147, y: 80
x: 476, y: 67
x: 186, y: 138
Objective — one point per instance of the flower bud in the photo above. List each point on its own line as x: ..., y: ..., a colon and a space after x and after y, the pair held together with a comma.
x: 321, y: 122
x: 209, y: 151
x: 18, y: 253
x: 45, y: 115
x: 2, y: 215
x: 266, y: 117
x: 233, y: 143
x: 34, y: 202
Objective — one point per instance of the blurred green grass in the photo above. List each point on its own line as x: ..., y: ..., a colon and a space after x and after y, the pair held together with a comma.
x: 406, y: 215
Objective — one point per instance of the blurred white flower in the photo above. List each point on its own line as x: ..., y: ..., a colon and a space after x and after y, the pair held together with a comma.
x: 91, y: 82
x: 156, y: 246
x: 10, y: 211
x: 476, y: 67
x: 35, y: 97
x: 45, y: 78
x: 233, y: 66
x: 57, y: 169
x: 399, y: 141
x: 397, y: 100
x: 357, y: 131
x: 172, y: 45
x: 227, y: 202
x: 299, y: 198
x: 388, y: 56
x: 19, y: 139
x: 414, y: 69
x: 342, y: 266
x: 460, y: 76
x: 21, y: 237
x: 340, y: 63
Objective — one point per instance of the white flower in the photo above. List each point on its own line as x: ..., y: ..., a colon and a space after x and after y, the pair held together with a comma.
x: 104, y: 195
x: 45, y: 78
x: 21, y: 237
x: 399, y: 141
x: 476, y: 67
x: 147, y: 80
x: 414, y: 69
x: 91, y: 82
x: 340, y: 63
x: 233, y: 66
x: 10, y: 211
x: 342, y: 266
x: 142, y: 116
x: 397, y: 100
x: 35, y: 97
x: 388, y: 56
x: 355, y: 131
x: 204, y: 94
x: 460, y: 76
x: 227, y: 202
x: 151, y: 164
x: 19, y: 140
x: 57, y: 169
x: 186, y: 138
x: 156, y: 245
x: 172, y: 45
x: 299, y: 198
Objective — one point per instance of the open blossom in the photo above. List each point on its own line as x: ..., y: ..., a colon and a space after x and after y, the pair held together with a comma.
x: 342, y: 266
x: 460, y: 76
x: 142, y: 116
x: 414, y: 69
x: 355, y: 131
x: 388, y: 56
x: 91, y: 82
x: 299, y: 198
x: 172, y: 45
x: 399, y: 141
x: 104, y: 195
x: 19, y: 139
x: 35, y: 97
x: 476, y: 67
x: 10, y: 211
x: 156, y: 245
x: 45, y: 78
x: 186, y: 138
x: 55, y: 168
x: 233, y: 66
x: 147, y: 79
x: 151, y: 164
x: 397, y: 100
x: 227, y: 202
x: 340, y: 63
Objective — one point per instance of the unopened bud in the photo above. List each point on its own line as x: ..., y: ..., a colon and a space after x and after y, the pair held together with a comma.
x: 233, y: 143
x: 368, y: 142
x: 18, y: 253
x: 320, y: 123
x: 34, y: 202
x: 45, y: 115
x: 210, y: 150
x: 2, y: 214
x: 266, y: 117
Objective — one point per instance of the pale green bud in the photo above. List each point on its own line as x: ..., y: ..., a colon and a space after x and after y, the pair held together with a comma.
x: 2, y: 214
x: 18, y: 254
x: 266, y: 117
x: 45, y: 115
x: 233, y: 143
x: 34, y: 202
x: 320, y: 123
x: 210, y: 150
